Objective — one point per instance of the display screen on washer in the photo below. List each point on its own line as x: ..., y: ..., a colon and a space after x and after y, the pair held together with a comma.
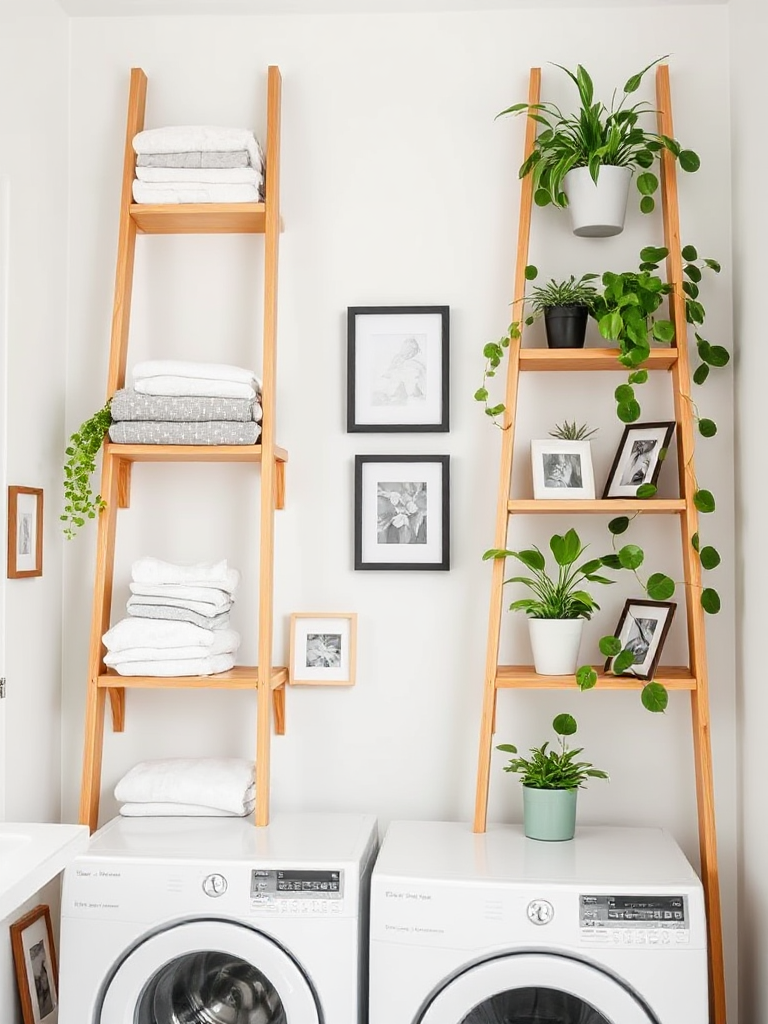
x: 633, y: 912
x: 291, y: 883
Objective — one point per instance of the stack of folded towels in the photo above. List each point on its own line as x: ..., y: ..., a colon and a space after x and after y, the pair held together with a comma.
x: 196, y: 787
x: 177, y: 621
x: 198, y: 164
x: 173, y: 401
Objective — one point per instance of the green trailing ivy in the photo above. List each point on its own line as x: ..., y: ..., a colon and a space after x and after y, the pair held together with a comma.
x: 80, y: 503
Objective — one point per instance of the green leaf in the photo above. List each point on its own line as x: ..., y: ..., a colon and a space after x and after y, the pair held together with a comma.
x: 701, y: 373
x: 631, y: 556
x: 653, y: 253
x: 624, y: 393
x: 610, y: 646
x: 692, y: 271
x: 610, y: 326
x: 618, y: 525
x: 695, y: 541
x: 611, y: 562
x: 718, y: 355
x: 663, y: 330
x: 531, y: 272
x: 541, y: 197
x: 622, y: 662
x: 647, y: 205
x: 654, y: 697
x: 481, y: 394
x: 566, y: 549
x: 638, y: 377
x: 564, y: 725
x: 628, y: 412
x: 647, y: 183
x: 707, y: 428
x: 689, y: 161
x: 533, y: 558
x: 710, y: 557
x: 586, y: 677
x: 689, y: 253
x: 713, y: 265
x: 646, y: 490
x: 710, y: 601
x: 507, y: 748
x: 660, y: 587
x: 704, y: 501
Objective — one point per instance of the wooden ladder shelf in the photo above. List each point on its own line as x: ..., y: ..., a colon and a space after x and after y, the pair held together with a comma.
x: 118, y: 459
x: 693, y: 677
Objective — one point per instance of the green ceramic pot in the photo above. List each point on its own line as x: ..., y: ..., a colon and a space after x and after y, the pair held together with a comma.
x: 549, y: 814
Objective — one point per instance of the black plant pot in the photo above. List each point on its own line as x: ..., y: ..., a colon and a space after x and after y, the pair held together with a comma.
x: 566, y: 326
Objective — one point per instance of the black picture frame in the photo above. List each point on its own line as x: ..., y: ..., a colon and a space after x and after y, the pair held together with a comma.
x: 419, y: 480
x: 652, y: 645
x: 418, y: 389
x: 614, y: 487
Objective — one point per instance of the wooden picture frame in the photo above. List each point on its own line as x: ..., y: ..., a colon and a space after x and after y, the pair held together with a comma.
x: 25, y: 532
x: 639, y: 458
x: 645, y: 623
x: 402, y: 512
x: 398, y: 369
x: 34, y: 957
x: 323, y: 649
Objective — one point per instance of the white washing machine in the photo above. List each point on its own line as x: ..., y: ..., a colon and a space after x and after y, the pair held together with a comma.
x: 215, y: 921
x: 496, y: 928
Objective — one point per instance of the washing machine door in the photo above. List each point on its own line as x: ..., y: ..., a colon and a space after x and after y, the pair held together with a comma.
x: 208, y: 972
x: 535, y: 988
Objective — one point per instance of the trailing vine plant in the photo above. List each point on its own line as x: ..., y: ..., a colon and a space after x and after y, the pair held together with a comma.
x: 80, y: 503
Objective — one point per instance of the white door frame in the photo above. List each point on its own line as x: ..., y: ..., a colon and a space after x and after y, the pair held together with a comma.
x: 5, y: 207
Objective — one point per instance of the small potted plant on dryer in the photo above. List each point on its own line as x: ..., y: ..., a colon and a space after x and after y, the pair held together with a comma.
x: 551, y: 780
x: 558, y: 606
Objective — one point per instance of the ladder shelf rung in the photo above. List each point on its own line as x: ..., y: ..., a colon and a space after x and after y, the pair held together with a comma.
x: 674, y: 677
x: 199, y: 218
x: 241, y: 677
x: 190, y: 452
x: 569, y: 359
x: 599, y: 506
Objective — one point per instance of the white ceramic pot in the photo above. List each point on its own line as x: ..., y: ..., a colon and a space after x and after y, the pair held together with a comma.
x: 598, y: 210
x: 555, y: 644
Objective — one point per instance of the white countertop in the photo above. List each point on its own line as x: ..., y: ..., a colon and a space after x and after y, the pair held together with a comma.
x: 31, y: 855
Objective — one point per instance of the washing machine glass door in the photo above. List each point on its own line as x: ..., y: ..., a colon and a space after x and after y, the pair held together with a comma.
x: 208, y: 972
x: 532, y: 988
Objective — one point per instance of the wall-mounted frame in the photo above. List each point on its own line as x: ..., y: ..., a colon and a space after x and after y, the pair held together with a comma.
x: 323, y: 649
x: 25, y: 532
x: 642, y: 629
x: 638, y: 458
x: 402, y: 512
x: 34, y: 957
x: 562, y: 469
x: 397, y: 369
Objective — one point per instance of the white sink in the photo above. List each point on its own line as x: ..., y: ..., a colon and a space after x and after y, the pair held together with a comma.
x: 31, y: 855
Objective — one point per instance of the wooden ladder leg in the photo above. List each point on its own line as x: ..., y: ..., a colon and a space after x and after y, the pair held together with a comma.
x: 94, y: 741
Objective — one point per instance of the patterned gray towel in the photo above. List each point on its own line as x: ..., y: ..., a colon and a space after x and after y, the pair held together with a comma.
x: 164, y: 611
x: 128, y: 404
x: 218, y: 432
x: 196, y: 158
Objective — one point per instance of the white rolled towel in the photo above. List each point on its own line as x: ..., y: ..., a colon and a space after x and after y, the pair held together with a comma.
x: 158, y: 633
x: 220, y: 599
x: 223, y: 783
x: 202, y: 371
x: 225, y: 641
x: 184, y: 138
x: 202, y: 574
x: 171, y: 810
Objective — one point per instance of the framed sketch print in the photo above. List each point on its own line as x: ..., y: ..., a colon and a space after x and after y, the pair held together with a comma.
x: 323, y: 648
x: 638, y: 458
x: 25, y: 532
x: 34, y: 958
x: 397, y: 368
x: 402, y: 514
x: 642, y: 629
x: 562, y: 469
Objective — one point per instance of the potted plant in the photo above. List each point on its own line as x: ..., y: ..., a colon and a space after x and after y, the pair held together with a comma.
x: 586, y: 160
x: 551, y: 781
x: 565, y: 306
x: 559, y: 606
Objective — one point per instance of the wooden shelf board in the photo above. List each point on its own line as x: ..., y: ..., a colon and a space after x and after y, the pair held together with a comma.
x: 241, y: 677
x: 190, y: 452
x: 676, y: 677
x: 569, y: 359
x: 599, y: 506
x: 199, y: 218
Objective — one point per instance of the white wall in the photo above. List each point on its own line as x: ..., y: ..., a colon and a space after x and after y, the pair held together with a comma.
x: 749, y: 34
x: 398, y: 188
x: 33, y: 146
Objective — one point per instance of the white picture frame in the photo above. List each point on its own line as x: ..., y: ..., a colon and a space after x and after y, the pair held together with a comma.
x: 323, y: 649
x: 562, y: 470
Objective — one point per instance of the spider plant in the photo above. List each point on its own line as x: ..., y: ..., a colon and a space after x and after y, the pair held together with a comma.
x: 566, y: 431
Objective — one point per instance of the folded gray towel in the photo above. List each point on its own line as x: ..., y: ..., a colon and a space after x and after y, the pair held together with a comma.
x: 217, y: 432
x: 128, y: 404
x: 199, y: 158
x: 164, y: 611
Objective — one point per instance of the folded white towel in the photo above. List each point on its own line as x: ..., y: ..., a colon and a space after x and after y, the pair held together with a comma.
x: 207, y: 175
x: 194, y: 386
x: 225, y: 641
x: 220, y: 599
x: 170, y: 810
x: 177, y: 667
x: 188, y: 368
x: 202, y: 574
x: 193, y: 192
x: 158, y: 633
x: 226, y: 783
x: 186, y: 138
x: 201, y: 607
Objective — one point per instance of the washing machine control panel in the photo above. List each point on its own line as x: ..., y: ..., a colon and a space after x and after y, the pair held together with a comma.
x: 630, y: 920
x: 294, y: 891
